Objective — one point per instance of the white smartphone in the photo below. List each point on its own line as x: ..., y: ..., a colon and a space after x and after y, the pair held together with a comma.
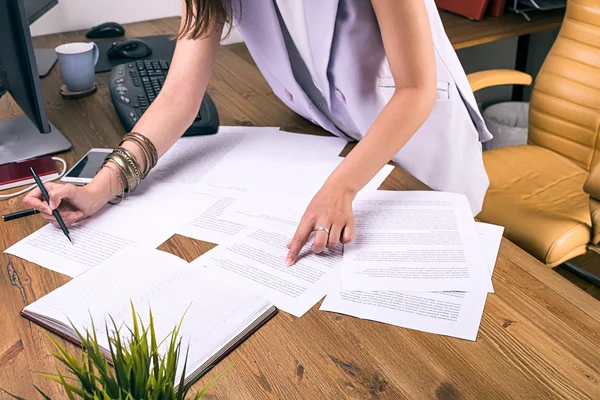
x: 84, y: 171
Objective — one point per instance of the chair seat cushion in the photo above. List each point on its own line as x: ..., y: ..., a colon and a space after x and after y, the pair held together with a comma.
x: 537, y: 195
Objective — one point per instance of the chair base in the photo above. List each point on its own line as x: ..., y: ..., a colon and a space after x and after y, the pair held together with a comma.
x: 582, y: 273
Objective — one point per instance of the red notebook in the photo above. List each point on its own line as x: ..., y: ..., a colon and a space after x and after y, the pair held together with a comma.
x: 18, y: 174
x: 473, y: 9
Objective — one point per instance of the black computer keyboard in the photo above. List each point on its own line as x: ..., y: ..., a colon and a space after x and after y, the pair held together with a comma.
x: 135, y: 85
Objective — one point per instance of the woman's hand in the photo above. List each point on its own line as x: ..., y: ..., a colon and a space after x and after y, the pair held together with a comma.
x: 331, y: 209
x: 74, y: 203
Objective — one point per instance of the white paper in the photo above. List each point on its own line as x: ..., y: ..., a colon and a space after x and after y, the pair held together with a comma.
x: 261, y: 211
x: 273, y: 163
x: 456, y: 314
x: 255, y: 259
x: 208, y: 225
x: 414, y: 241
x: 149, y: 216
x: 191, y: 158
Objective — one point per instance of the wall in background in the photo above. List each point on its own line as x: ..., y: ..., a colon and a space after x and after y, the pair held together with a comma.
x: 70, y: 15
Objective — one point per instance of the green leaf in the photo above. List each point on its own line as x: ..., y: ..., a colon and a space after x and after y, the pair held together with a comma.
x: 44, y: 395
x: 12, y: 395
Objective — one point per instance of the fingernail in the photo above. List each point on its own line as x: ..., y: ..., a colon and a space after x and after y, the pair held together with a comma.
x: 79, y: 215
x: 52, y: 205
x: 289, y: 262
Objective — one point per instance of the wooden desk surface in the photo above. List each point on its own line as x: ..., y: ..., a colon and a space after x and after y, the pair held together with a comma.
x: 539, y: 337
x: 463, y: 32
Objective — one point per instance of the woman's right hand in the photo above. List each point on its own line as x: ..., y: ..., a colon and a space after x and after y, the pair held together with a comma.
x: 73, y: 202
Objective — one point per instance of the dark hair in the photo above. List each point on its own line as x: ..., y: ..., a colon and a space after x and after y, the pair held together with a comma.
x: 203, y: 17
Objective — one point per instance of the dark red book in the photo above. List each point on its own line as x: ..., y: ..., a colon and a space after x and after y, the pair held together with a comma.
x: 496, y: 8
x: 18, y: 174
x: 473, y: 9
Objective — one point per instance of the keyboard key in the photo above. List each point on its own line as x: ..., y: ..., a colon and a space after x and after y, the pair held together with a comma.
x: 155, y: 73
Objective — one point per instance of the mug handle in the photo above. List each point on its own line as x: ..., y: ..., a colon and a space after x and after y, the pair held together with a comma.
x: 96, y: 52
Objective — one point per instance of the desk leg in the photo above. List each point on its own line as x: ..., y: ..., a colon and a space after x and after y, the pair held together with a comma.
x: 521, y: 65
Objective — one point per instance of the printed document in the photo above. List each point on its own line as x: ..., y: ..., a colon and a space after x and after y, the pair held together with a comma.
x: 417, y: 241
x: 255, y: 259
x: 147, y: 220
x: 456, y: 314
x: 262, y: 211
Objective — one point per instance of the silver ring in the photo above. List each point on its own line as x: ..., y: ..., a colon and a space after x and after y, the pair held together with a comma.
x: 323, y: 229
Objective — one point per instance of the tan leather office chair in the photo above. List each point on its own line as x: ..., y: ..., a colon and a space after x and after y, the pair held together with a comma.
x: 547, y: 193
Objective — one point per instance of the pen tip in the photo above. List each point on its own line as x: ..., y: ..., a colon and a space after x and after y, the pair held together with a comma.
x: 70, y: 240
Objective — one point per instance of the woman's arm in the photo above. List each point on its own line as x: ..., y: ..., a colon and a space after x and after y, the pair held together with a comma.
x: 408, y: 45
x: 175, y: 107
x: 166, y: 120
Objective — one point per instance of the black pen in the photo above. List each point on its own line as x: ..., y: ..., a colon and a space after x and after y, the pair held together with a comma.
x: 55, y: 212
x: 19, y: 214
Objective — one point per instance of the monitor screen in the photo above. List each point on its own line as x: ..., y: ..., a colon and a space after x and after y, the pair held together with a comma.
x: 37, y: 8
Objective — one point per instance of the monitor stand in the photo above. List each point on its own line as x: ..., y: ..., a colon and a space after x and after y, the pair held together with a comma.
x: 45, y: 60
x: 21, y: 140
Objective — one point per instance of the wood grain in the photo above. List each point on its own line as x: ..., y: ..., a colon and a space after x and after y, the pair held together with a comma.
x: 463, y: 32
x: 539, y: 337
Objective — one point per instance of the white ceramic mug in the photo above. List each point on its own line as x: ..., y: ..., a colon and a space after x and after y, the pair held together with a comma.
x: 77, y: 62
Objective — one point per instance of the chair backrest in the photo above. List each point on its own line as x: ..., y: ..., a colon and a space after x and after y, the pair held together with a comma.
x: 564, y: 112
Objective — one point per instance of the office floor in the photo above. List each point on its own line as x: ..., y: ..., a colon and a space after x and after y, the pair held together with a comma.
x: 589, y: 261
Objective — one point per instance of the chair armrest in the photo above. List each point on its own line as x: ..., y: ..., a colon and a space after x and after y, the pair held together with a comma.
x: 592, y: 184
x: 495, y: 77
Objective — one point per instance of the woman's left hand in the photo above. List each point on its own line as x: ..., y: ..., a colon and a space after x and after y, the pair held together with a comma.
x: 329, y: 214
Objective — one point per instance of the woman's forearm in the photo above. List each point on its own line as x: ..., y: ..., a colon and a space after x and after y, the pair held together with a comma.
x: 172, y: 112
x: 404, y: 114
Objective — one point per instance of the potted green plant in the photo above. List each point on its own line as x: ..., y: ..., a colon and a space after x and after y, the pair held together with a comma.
x: 138, y: 370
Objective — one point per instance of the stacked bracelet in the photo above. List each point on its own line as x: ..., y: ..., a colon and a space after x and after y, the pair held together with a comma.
x: 127, y: 167
x: 147, y: 147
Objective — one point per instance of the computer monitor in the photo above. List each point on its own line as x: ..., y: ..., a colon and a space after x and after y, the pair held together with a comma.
x: 45, y: 58
x: 31, y: 136
x: 36, y: 8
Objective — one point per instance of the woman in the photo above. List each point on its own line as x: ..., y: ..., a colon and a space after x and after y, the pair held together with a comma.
x: 382, y: 72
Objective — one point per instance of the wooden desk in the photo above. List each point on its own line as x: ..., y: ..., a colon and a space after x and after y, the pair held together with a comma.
x: 463, y: 32
x: 539, y: 337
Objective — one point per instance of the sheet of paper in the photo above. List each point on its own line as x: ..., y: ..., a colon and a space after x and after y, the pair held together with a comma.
x: 191, y: 158
x: 261, y: 211
x: 149, y: 216
x: 456, y: 314
x: 148, y: 220
x: 255, y: 259
x: 218, y: 224
x: 414, y: 241
x: 273, y: 160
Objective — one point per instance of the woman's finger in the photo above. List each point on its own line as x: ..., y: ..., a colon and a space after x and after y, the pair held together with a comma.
x: 60, y: 192
x: 321, y: 237
x: 334, y: 235
x: 300, y: 238
x: 348, y: 233
x: 35, y: 200
x: 71, y: 216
